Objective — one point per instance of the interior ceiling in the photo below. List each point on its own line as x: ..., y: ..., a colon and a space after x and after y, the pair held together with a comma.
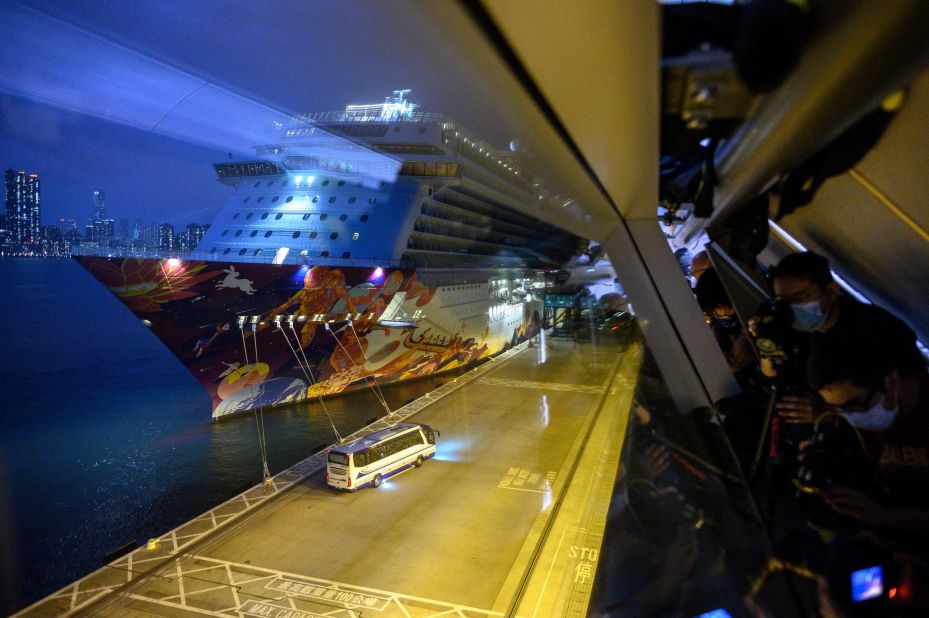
x: 867, y: 242
x: 597, y: 65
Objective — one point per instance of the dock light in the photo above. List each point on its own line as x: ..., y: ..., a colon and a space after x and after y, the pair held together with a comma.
x: 241, y: 321
x: 152, y: 544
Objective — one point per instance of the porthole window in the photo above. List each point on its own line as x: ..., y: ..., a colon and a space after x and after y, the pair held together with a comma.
x: 247, y: 197
x: 224, y: 232
x: 355, y: 235
x: 226, y: 251
x: 264, y: 216
x: 236, y: 215
x: 283, y: 183
x: 257, y: 183
x: 323, y: 217
x: 332, y: 200
x: 238, y: 233
x: 347, y: 254
x: 289, y: 199
x: 325, y: 183
x: 268, y: 234
x: 213, y: 250
x: 306, y: 216
x: 312, y: 234
x: 364, y: 218
x: 334, y: 235
x: 260, y: 199
x: 270, y: 182
x: 324, y: 254
x: 343, y: 217
x: 249, y: 215
x: 254, y: 233
x: 352, y: 199
x: 257, y: 252
x: 341, y: 183
x: 315, y: 199
x: 241, y: 251
x: 296, y: 234
x: 275, y: 198
x: 279, y: 215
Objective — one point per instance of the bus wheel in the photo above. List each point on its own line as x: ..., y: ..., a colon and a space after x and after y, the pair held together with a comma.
x: 377, y: 481
x: 419, y: 461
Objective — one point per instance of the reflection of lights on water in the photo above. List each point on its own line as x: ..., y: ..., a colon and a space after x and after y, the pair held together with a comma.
x: 544, y: 409
x: 543, y: 353
x: 450, y: 450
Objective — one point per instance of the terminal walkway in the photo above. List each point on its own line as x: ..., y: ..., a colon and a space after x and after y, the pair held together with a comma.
x: 506, y: 520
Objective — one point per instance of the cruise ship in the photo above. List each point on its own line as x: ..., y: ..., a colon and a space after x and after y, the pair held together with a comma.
x: 363, y: 247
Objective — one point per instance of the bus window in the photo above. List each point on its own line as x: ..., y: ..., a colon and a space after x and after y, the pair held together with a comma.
x: 338, y: 458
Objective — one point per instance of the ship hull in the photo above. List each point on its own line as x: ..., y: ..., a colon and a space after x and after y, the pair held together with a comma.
x: 260, y: 335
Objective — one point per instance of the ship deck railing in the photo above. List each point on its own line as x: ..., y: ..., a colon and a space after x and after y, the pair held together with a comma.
x: 322, y: 117
x: 204, y: 256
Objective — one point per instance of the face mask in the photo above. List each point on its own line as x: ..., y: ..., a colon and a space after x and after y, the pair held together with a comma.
x: 807, y: 316
x: 877, y: 418
x: 728, y: 323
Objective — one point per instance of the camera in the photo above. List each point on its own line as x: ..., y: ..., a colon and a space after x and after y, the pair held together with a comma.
x: 837, y: 457
x: 869, y: 578
x: 772, y: 328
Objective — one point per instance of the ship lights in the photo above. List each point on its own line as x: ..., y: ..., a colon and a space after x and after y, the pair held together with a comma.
x: 173, y: 263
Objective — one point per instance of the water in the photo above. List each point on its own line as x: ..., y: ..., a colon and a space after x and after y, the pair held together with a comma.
x: 106, y: 439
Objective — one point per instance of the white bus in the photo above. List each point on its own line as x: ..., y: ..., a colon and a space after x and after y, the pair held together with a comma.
x: 379, y: 455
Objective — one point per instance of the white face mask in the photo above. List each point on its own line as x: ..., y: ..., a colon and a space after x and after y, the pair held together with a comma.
x: 877, y: 418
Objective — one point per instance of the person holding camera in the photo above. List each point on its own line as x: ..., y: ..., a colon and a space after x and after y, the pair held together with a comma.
x: 886, y: 398
x: 820, y: 309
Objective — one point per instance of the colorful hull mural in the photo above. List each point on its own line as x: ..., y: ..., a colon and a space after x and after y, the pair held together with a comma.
x: 259, y: 335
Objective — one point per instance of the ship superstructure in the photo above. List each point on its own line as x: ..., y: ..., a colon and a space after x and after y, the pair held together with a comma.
x: 374, y: 244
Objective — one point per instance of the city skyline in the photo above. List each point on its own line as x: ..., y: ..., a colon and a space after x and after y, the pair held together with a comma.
x: 24, y: 231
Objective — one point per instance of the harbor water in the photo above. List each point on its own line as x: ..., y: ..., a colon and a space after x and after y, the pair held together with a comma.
x: 106, y: 439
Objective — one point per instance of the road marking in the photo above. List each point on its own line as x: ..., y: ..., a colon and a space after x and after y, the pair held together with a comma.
x: 527, y: 480
x: 349, y: 596
x: 549, y: 386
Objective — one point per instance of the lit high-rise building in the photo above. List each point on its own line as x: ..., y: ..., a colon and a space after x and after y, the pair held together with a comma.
x: 99, y: 204
x: 192, y: 236
x: 166, y: 236
x: 23, y: 215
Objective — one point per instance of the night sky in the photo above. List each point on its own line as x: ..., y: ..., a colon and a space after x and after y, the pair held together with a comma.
x: 89, y: 91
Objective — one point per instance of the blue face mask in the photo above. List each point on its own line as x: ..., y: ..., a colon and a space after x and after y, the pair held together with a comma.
x: 808, y: 316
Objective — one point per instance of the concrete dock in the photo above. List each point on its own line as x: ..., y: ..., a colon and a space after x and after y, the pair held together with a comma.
x: 506, y: 520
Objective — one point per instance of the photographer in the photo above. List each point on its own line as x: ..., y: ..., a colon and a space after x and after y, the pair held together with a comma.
x: 721, y: 317
x: 886, y: 399
x: 819, y: 308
